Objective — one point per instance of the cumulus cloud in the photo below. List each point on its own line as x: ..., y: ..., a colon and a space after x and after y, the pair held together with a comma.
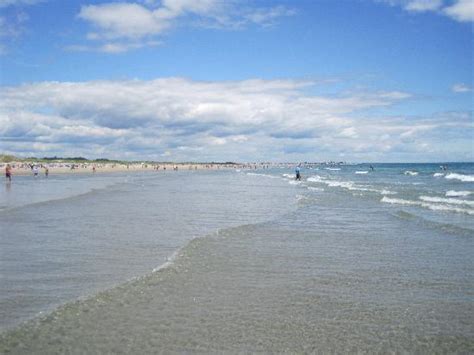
x: 193, y: 120
x: 461, y: 10
x: 423, y: 5
x: 458, y: 10
x: 140, y: 21
x: 460, y: 88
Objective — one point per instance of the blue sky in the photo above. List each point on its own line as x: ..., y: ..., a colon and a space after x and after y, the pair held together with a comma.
x: 354, y: 80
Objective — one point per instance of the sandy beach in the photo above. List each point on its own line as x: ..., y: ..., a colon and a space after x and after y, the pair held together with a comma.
x: 26, y: 168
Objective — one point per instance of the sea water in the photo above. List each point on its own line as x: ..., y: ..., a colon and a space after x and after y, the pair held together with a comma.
x: 347, y: 259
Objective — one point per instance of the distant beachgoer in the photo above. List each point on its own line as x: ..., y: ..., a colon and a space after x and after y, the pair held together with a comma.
x: 8, y: 172
x: 93, y: 169
x: 46, y: 171
x: 371, y: 168
x: 298, y: 174
x: 35, y: 171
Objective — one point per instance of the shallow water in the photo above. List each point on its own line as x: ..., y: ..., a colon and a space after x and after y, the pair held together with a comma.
x: 277, y: 267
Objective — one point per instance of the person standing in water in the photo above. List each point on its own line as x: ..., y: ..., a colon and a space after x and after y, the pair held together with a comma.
x: 298, y: 174
x: 8, y: 173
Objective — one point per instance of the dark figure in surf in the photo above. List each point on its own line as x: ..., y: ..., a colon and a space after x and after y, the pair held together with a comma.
x: 8, y: 173
x: 298, y: 174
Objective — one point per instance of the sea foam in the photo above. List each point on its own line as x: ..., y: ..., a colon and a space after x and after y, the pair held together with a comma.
x: 451, y: 201
x: 432, y: 206
x: 452, y: 193
x: 460, y: 177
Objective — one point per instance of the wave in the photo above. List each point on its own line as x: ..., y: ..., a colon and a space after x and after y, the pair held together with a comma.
x: 399, y: 201
x: 348, y: 185
x: 452, y: 201
x: 388, y: 192
x: 411, y: 173
x: 264, y: 175
x: 452, y: 193
x: 446, y: 227
x: 431, y: 206
x: 362, y: 172
x: 333, y: 169
x: 169, y: 261
x: 315, y: 178
x: 460, y: 177
x: 315, y: 188
x: 88, y: 191
x: 438, y: 174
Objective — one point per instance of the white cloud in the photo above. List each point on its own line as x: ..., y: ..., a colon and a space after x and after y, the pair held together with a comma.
x: 233, y: 120
x: 112, y: 47
x: 132, y: 21
x: 461, y: 10
x: 460, y: 88
x: 123, y: 20
x: 458, y: 10
x: 423, y: 5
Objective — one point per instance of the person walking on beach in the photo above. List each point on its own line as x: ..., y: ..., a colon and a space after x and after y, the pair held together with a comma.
x: 35, y: 171
x: 46, y: 171
x: 8, y: 173
x: 298, y: 174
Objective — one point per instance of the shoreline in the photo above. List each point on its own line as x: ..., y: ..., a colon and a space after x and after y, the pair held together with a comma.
x: 25, y: 169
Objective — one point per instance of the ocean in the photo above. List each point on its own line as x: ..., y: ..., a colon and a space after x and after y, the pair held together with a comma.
x: 247, y: 260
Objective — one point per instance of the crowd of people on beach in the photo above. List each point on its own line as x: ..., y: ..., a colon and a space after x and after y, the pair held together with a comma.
x: 35, y: 169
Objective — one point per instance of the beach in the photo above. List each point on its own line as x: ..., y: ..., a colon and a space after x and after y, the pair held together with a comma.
x: 240, y: 260
x: 26, y: 168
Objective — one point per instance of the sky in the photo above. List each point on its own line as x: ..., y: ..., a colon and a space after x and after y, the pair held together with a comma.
x: 238, y: 80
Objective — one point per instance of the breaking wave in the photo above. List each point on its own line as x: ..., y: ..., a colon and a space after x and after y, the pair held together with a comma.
x: 426, y: 204
x: 452, y: 193
x: 460, y: 177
